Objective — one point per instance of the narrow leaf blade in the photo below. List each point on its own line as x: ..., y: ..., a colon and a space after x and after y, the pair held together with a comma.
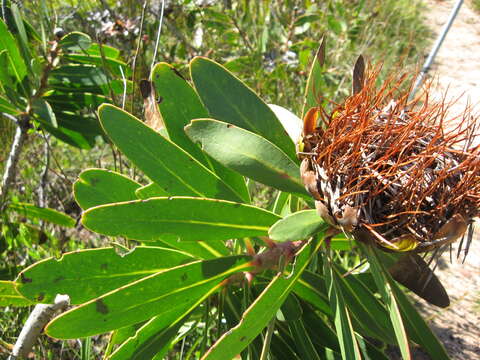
x: 179, y: 218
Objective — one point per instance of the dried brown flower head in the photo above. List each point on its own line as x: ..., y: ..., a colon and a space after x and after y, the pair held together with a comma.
x: 385, y: 169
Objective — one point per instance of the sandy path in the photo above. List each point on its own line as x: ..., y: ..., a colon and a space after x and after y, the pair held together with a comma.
x: 457, y: 67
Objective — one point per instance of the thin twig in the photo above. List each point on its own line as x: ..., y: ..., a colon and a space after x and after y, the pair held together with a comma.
x: 137, y: 51
x: 10, y: 117
x: 159, y: 30
x: 12, y: 161
x: 39, y: 317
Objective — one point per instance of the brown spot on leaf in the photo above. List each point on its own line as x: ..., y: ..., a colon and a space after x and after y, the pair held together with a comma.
x: 24, y: 279
x: 40, y: 296
x: 58, y: 279
x: 101, y: 307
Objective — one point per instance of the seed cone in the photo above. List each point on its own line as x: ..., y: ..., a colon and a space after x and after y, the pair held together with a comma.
x: 386, y: 170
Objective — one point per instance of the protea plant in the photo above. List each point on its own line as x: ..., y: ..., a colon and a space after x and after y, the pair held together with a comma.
x: 378, y: 169
x: 388, y: 171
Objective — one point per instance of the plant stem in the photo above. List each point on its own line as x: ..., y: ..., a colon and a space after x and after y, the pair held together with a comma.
x: 268, y: 339
x: 39, y: 317
x: 12, y: 161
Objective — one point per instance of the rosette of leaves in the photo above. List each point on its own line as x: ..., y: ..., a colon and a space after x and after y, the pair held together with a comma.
x: 214, y: 275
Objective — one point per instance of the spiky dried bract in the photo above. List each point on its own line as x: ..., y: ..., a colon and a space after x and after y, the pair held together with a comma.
x: 383, y: 168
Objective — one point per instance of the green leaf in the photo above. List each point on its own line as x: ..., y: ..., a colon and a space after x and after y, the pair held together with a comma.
x: 87, y: 274
x: 179, y: 105
x: 320, y: 331
x: 342, y: 242
x: 75, y: 41
x: 305, y: 19
x: 365, y: 309
x: 10, y: 297
x: 71, y: 137
x: 75, y: 101
x: 199, y: 249
x: 98, y: 187
x: 7, y: 42
x: 293, y: 124
x: 6, y: 107
x: 346, y: 336
x: 5, y: 80
x: 419, y: 331
x: 108, y: 51
x: 166, y: 294
x: 315, y: 80
x: 230, y: 100
x: 305, y: 347
x: 297, y: 226
x: 85, y: 125
x: 248, y: 153
x: 384, y: 287
x: 50, y: 215
x: 311, y: 287
x: 161, y: 160
x: 149, y: 191
x: 179, y: 218
x: 113, y: 65
x: 21, y: 36
x: 152, y: 339
x: 416, y: 326
x: 82, y: 78
x: 44, y: 111
x: 263, y: 309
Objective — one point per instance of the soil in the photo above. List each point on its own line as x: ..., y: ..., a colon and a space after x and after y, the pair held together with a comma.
x: 457, y: 71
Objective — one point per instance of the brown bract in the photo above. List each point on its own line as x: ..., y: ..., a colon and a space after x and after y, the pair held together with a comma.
x: 384, y: 168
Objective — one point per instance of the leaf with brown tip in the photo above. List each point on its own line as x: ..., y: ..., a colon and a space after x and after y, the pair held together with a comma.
x: 413, y: 272
x: 152, y: 114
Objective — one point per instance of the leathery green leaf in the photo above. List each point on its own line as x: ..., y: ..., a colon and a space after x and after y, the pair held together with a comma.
x: 149, y: 191
x: 229, y: 99
x: 165, y: 163
x: 297, y: 226
x: 75, y: 41
x: 9, y: 296
x: 417, y: 328
x: 179, y: 218
x: 152, y: 339
x: 47, y: 214
x: 7, y: 41
x: 179, y: 105
x: 83, y: 78
x: 262, y: 310
x: 199, y: 249
x: 247, y: 153
x: 98, y: 187
x: 86, y: 274
x: 384, y: 287
x: 311, y: 287
x: 365, y: 309
x: 166, y: 294
x: 314, y: 79
x: 346, y: 336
